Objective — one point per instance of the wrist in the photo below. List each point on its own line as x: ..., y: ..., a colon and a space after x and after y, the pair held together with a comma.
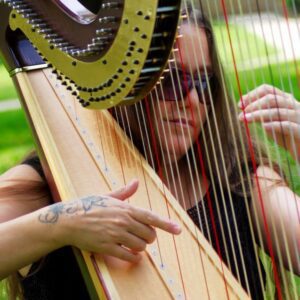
x: 58, y: 226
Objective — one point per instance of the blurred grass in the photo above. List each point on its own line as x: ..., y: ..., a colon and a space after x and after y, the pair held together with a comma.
x: 7, y: 90
x: 247, y: 46
x: 16, y: 139
x: 283, y: 76
x: 3, y: 294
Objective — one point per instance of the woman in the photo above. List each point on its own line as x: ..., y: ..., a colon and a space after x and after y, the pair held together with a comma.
x: 186, y: 128
x: 202, y: 154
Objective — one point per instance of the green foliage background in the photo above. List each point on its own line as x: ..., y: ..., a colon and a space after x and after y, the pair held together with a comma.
x: 291, y: 4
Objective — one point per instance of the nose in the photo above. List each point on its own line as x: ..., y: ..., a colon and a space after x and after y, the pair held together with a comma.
x: 190, y: 98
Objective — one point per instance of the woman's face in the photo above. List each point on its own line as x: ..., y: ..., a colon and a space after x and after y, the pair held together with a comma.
x: 178, y: 123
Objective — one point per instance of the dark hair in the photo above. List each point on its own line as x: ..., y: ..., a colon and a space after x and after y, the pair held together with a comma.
x: 238, y: 166
x: 222, y: 137
x: 31, y: 189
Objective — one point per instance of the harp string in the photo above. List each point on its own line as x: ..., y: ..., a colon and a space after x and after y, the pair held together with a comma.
x: 100, y: 137
x: 245, y: 162
x: 190, y: 161
x: 144, y: 178
x: 171, y: 166
x: 235, y: 152
x: 125, y: 121
x: 127, y: 128
x: 209, y: 127
x: 271, y: 164
x: 283, y: 231
x: 155, y: 100
x: 149, y: 198
x: 255, y: 136
x: 294, y: 246
x: 238, y: 159
x: 227, y: 184
x: 272, y: 80
x: 223, y: 196
x: 161, y: 175
x: 160, y: 117
x: 199, y: 152
x: 292, y: 91
x: 279, y: 158
x: 254, y: 165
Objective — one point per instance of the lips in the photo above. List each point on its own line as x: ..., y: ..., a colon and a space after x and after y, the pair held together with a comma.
x: 180, y: 121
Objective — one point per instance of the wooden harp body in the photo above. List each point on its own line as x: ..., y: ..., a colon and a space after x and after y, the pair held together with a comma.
x: 80, y: 158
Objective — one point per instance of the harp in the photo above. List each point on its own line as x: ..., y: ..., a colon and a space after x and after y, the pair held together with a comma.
x: 110, y: 54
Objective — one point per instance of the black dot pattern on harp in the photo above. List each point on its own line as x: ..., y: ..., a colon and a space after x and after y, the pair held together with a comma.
x: 98, y: 157
x: 144, y: 38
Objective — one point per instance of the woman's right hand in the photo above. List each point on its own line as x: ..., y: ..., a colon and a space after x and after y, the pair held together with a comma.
x: 107, y: 225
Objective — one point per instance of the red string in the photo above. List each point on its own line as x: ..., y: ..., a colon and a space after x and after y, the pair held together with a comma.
x: 252, y: 156
x: 203, y: 171
x: 153, y: 139
x: 286, y: 15
x: 285, y: 11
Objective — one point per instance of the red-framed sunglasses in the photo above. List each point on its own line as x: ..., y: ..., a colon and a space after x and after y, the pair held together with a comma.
x: 183, y: 83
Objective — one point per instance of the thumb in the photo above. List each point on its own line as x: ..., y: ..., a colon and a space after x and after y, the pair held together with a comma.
x: 126, y: 191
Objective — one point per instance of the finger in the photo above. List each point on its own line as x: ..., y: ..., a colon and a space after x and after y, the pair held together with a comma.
x: 285, y: 128
x: 145, y: 232
x: 270, y: 115
x: 133, y: 242
x: 149, y: 218
x: 259, y: 92
x: 126, y: 191
x: 124, y: 254
x: 272, y: 101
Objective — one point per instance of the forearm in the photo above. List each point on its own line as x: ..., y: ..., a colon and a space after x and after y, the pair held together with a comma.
x: 25, y: 240
x: 281, y: 212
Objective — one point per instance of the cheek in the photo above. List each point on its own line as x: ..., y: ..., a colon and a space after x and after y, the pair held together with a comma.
x: 161, y: 111
x: 199, y: 111
x: 202, y: 114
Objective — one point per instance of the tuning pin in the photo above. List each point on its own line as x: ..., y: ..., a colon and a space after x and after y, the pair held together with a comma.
x: 25, y: 10
x: 46, y: 31
x: 35, y: 21
x: 61, y: 45
x: 105, y: 31
x: 109, y: 19
x: 50, y: 35
x: 56, y: 40
x: 68, y: 48
x: 111, y: 5
x: 184, y: 16
x: 19, y: 6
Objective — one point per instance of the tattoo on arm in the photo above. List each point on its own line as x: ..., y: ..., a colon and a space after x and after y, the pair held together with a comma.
x: 51, y: 216
x: 89, y: 202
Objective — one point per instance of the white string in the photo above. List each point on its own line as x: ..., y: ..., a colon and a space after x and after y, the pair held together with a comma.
x: 231, y: 206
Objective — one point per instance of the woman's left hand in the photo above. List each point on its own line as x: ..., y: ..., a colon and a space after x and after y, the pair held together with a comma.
x: 278, y: 112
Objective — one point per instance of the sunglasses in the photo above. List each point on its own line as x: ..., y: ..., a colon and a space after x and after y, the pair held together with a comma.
x: 182, y: 84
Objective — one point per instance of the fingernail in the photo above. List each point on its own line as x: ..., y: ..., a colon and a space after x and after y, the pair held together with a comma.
x: 176, y: 227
